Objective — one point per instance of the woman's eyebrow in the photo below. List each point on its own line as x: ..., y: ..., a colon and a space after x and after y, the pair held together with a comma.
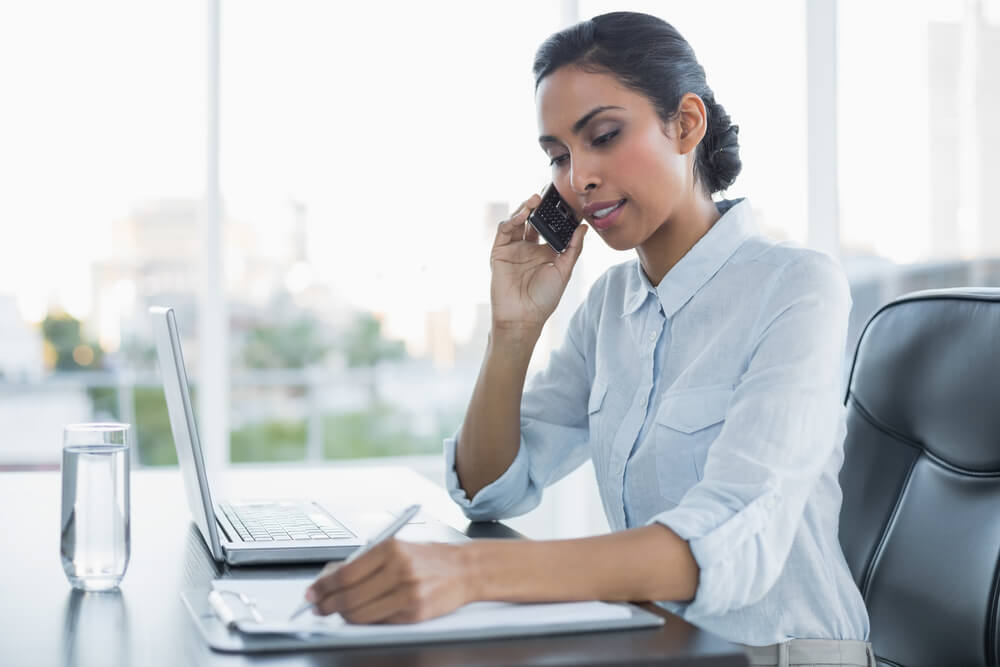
x: 578, y: 125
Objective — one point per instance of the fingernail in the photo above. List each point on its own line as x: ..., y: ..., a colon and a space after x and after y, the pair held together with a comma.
x: 310, y: 595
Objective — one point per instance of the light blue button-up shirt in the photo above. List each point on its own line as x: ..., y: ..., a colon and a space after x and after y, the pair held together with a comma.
x: 710, y: 403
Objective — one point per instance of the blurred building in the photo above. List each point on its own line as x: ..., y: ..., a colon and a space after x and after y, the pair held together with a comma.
x: 440, y: 341
x: 156, y: 260
x: 21, y: 353
x: 496, y: 212
x: 470, y: 352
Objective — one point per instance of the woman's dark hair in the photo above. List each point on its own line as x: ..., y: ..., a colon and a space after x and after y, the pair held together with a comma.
x: 649, y: 56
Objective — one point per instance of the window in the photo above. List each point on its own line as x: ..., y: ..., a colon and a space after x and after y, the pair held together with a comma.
x: 917, y: 137
x: 102, y: 124
x: 359, y: 198
x: 367, y: 152
x: 365, y: 165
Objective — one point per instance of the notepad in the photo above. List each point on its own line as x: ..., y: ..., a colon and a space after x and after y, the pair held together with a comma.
x: 275, y: 599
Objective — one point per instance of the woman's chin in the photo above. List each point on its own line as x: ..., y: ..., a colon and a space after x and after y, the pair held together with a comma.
x: 615, y: 240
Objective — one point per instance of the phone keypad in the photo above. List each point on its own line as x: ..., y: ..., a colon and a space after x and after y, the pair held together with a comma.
x: 560, y: 224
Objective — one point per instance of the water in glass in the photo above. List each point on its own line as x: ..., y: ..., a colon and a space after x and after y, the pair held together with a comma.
x: 95, y: 506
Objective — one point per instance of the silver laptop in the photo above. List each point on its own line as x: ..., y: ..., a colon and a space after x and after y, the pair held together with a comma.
x: 259, y: 531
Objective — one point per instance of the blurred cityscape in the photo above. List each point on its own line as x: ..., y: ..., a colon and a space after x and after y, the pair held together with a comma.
x: 314, y: 378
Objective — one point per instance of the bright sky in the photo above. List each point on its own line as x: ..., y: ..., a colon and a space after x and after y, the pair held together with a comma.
x: 396, y: 123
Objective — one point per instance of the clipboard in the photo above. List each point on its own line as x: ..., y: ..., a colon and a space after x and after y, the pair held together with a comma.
x: 225, y: 635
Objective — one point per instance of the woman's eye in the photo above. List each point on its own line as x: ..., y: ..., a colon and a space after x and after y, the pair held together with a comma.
x: 558, y: 160
x: 605, y: 138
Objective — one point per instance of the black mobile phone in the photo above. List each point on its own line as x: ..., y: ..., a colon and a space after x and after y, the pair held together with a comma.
x: 554, y: 219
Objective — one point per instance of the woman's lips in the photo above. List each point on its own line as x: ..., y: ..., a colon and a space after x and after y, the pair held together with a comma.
x: 609, y: 219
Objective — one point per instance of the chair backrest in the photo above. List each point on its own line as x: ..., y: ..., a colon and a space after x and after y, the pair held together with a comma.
x: 920, y: 522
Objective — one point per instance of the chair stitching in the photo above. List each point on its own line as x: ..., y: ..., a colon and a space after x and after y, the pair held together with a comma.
x: 881, y: 426
x: 991, y: 647
x: 913, y: 297
x: 883, y: 538
x: 921, y: 447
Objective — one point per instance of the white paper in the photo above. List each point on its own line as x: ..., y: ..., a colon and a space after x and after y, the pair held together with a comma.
x: 276, y: 599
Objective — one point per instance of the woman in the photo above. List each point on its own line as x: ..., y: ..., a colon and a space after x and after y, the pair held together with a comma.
x: 702, y: 379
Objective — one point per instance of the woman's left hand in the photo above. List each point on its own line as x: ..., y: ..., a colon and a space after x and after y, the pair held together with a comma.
x: 395, y: 582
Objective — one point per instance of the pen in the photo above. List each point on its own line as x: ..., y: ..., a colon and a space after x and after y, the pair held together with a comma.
x: 386, y: 533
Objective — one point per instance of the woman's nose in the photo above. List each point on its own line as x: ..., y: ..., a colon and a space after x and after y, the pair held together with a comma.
x: 582, y: 176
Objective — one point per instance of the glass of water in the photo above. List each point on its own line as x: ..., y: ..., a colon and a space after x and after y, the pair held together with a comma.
x: 95, y: 505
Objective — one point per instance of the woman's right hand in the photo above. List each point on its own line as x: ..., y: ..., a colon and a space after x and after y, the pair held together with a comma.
x: 529, y: 277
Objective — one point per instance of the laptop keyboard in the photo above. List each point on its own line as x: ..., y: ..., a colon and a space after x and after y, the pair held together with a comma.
x: 269, y: 522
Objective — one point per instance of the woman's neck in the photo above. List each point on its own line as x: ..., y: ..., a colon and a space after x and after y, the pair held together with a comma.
x: 678, y: 234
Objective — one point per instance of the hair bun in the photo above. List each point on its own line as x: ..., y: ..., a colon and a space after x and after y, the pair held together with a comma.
x: 728, y: 140
x: 721, y: 154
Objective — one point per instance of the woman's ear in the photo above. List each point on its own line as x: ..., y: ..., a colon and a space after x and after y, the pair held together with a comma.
x: 692, y: 122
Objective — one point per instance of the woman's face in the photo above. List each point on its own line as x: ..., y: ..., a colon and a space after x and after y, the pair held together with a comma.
x: 613, y: 158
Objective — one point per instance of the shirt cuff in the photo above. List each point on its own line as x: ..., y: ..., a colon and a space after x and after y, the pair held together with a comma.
x: 495, y: 500
x: 719, y: 550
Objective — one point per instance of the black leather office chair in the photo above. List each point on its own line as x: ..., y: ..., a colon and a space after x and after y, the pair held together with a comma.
x: 920, y: 523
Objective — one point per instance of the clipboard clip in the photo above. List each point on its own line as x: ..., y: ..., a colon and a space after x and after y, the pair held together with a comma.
x: 219, y: 601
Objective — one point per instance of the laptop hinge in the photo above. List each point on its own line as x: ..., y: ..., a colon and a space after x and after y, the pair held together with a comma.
x: 230, y: 531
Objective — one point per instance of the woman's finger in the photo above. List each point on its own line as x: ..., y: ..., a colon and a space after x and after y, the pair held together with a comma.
x: 530, y: 233
x: 349, y: 574
x: 527, y: 205
x: 565, y: 261
x: 512, y: 229
x: 397, y: 603
x: 381, y: 582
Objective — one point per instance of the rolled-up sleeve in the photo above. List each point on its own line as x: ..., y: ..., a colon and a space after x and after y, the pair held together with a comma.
x: 509, y: 495
x: 784, y: 421
x: 554, y: 435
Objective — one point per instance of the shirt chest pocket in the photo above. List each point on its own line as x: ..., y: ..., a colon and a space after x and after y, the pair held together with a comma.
x: 687, y: 422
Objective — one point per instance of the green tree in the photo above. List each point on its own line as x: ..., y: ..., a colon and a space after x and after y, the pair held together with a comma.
x: 277, y: 440
x: 152, y: 427
x: 70, y: 351
x: 137, y: 353
x: 364, y: 347
x: 295, y: 345
x: 151, y: 430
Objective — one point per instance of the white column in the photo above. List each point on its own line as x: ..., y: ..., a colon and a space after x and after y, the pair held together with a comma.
x: 570, y: 510
x: 821, y: 105
x: 569, y: 13
x: 314, y: 423
x: 970, y: 236
x: 213, y: 353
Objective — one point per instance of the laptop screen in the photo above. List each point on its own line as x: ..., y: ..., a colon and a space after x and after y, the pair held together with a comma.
x: 182, y: 425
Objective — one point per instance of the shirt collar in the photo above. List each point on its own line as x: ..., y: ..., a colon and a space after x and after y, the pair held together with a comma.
x: 699, y: 264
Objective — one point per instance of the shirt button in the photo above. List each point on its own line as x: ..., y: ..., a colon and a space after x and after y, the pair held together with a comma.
x: 642, y: 402
x: 652, y: 335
